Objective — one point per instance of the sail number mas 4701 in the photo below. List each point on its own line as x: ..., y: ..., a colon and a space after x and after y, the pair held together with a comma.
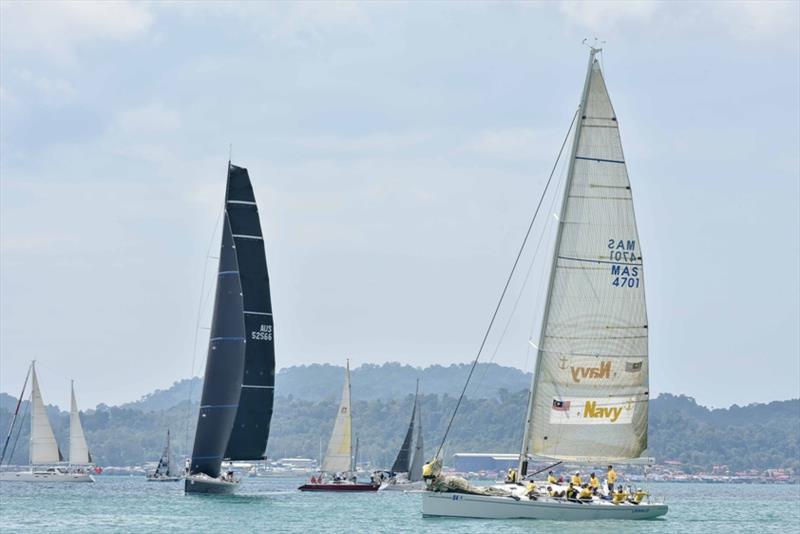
x: 264, y: 333
x: 623, y: 274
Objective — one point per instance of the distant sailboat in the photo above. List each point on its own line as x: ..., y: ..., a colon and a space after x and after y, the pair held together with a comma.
x: 406, y: 472
x: 238, y: 387
x: 589, y: 396
x: 164, y: 471
x: 44, y: 453
x: 338, y: 469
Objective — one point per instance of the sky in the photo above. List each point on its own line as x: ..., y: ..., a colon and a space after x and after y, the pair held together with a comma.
x: 397, y: 151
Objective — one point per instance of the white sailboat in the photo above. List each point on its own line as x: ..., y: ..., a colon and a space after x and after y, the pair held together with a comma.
x: 45, y: 454
x: 164, y: 471
x: 338, y: 469
x: 589, y: 396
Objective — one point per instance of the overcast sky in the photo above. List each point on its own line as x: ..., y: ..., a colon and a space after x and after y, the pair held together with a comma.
x: 397, y: 153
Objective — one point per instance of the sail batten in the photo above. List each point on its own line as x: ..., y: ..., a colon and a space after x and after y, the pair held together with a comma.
x: 590, y: 390
x: 338, y: 457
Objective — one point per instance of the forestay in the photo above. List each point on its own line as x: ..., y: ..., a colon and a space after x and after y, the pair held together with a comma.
x: 339, y: 454
x: 78, y: 449
x: 44, y: 447
x: 415, y: 471
x: 591, y: 381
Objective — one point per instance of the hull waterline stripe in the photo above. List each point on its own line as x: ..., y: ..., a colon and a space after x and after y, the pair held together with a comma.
x: 218, y: 406
x: 257, y: 387
x: 245, y: 236
x: 258, y: 313
x: 225, y: 273
x: 205, y: 458
x: 227, y: 339
x: 245, y: 202
x: 601, y: 159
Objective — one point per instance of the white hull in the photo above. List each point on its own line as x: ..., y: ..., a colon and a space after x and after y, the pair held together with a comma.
x: 485, y: 507
x: 44, y: 476
x: 402, y: 486
x: 206, y: 484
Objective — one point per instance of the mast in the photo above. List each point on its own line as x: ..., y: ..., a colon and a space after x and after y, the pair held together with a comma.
x: 350, y: 413
x: 169, y: 457
x: 523, y: 457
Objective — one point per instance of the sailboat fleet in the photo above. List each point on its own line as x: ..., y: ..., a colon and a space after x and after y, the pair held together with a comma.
x: 588, y: 400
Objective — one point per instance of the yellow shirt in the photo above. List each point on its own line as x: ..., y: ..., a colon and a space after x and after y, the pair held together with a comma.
x: 593, y: 482
x: 585, y: 492
x: 620, y: 496
x: 576, y: 480
x: 531, y: 488
x: 551, y: 479
x: 612, y: 476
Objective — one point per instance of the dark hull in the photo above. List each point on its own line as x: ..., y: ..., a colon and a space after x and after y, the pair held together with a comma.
x: 338, y: 487
x: 195, y: 484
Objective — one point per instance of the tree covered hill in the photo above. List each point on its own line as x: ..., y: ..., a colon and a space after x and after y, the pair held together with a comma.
x: 758, y: 436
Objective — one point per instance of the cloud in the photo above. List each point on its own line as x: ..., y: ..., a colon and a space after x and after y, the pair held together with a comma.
x: 744, y: 21
x: 58, y: 29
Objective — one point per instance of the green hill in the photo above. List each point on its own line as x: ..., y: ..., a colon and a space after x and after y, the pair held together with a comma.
x: 757, y: 436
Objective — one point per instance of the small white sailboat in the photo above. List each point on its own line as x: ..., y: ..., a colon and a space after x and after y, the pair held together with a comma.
x: 44, y: 453
x: 338, y: 465
x: 589, y: 396
x: 406, y: 472
x: 164, y: 471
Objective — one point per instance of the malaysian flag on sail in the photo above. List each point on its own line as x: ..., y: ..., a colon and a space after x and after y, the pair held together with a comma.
x: 560, y: 406
x: 633, y: 367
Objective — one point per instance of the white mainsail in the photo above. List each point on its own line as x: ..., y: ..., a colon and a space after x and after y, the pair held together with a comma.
x: 78, y: 449
x: 338, y: 458
x: 43, y: 446
x: 590, y: 391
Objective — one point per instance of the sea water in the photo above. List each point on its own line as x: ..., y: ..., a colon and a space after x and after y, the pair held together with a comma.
x: 272, y: 504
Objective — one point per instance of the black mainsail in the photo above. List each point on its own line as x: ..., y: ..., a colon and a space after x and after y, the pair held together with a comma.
x: 236, y: 404
x: 402, y: 463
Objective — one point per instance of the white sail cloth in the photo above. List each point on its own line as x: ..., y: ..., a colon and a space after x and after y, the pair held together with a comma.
x: 43, y: 446
x: 591, y: 386
x: 338, y: 457
x: 78, y: 449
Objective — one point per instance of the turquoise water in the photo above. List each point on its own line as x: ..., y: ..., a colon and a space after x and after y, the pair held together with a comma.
x: 130, y: 504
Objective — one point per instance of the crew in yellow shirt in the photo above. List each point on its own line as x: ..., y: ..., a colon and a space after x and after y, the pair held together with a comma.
x: 551, y: 478
x: 530, y: 491
x: 619, y: 496
x: 639, y: 495
x: 594, y: 484
x: 576, y: 479
x: 611, y: 477
x: 585, y: 493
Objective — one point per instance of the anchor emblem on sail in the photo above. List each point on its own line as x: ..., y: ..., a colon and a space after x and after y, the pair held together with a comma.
x: 563, y: 364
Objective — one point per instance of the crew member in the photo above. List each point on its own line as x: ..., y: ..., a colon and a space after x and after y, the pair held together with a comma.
x: 576, y: 479
x: 531, y: 491
x: 586, y: 493
x: 611, y: 478
x: 551, y: 478
x: 594, y: 484
x: 511, y: 477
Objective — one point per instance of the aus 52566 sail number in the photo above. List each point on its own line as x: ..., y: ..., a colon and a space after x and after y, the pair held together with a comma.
x: 264, y: 333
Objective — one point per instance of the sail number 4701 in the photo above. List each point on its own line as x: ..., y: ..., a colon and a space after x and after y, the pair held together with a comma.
x: 623, y: 275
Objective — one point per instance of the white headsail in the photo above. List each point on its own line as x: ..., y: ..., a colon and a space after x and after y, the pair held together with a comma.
x: 338, y: 458
x: 590, y: 389
x: 78, y: 449
x: 43, y: 447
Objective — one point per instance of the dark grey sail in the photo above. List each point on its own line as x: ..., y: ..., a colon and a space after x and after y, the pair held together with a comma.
x: 222, y: 384
x: 402, y: 463
x: 248, y: 440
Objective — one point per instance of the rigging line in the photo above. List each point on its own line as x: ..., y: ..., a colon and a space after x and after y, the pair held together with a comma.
x: 505, y: 288
x: 16, y: 412
x: 203, y: 301
x: 19, y: 433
